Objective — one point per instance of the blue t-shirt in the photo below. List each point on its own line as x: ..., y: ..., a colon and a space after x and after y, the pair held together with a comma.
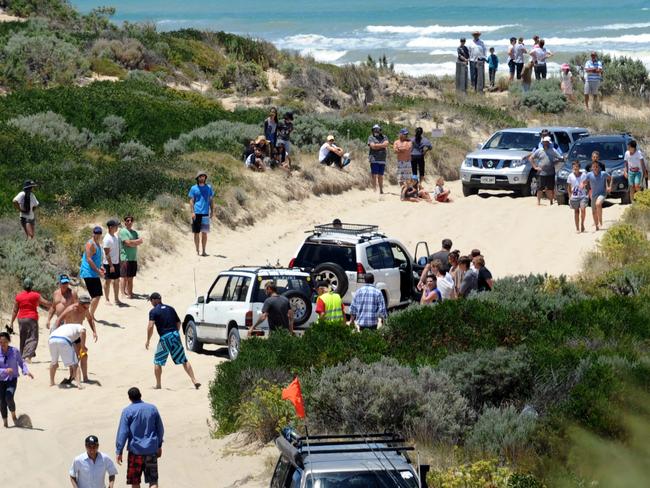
x: 202, y: 196
x: 165, y: 318
x: 598, y: 184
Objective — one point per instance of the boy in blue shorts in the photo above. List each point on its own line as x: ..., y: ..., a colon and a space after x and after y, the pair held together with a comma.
x: 168, y: 324
x: 635, y: 169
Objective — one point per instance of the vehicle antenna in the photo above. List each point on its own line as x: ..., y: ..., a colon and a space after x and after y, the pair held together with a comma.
x: 194, y: 273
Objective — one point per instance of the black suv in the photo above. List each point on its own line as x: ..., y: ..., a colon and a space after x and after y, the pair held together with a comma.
x: 612, y: 149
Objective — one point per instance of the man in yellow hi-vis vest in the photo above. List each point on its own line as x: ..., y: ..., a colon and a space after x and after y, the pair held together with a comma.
x: 329, y: 305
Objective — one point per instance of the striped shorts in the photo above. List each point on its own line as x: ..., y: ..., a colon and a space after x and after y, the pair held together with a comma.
x: 170, y: 345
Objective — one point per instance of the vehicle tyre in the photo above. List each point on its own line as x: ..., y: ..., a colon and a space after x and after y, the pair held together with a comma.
x: 192, y: 342
x: 234, y: 343
x: 300, y: 305
x: 561, y: 199
x: 625, y: 199
x: 334, y: 274
x: 530, y: 188
x: 468, y: 191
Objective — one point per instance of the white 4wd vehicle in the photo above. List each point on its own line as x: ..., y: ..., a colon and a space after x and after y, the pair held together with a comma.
x: 234, y: 302
x: 343, y: 253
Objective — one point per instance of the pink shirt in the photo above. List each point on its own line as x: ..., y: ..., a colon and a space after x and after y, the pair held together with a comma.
x: 403, y: 150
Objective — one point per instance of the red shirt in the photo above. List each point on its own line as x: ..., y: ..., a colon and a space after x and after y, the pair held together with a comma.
x: 28, y: 304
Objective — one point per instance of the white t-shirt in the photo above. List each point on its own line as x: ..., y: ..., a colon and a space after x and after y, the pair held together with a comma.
x: 72, y: 332
x: 324, y: 151
x: 92, y: 474
x: 577, y: 193
x: 446, y: 286
x: 634, y: 160
x: 20, y: 198
x: 112, y: 243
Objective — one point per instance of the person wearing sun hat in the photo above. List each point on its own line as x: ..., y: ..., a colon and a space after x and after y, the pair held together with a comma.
x: 477, y: 58
x: 91, y: 269
x: 403, y: 147
x: 330, y: 153
x: 202, y: 206
x: 26, y: 202
x: 90, y: 468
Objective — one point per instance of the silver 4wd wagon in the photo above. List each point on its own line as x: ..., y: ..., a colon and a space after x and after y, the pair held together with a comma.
x: 501, y: 163
x: 345, y: 461
x: 234, y: 302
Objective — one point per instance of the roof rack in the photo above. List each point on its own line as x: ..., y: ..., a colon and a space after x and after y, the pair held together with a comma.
x: 345, y: 228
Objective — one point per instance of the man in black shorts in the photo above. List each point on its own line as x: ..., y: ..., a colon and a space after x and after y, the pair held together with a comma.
x: 202, y: 204
x: 543, y: 161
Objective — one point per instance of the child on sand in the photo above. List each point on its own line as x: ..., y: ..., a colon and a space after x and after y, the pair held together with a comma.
x: 440, y: 193
x: 566, y: 81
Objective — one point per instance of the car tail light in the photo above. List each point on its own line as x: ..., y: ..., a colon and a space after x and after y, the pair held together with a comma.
x: 249, y: 319
x: 292, y: 262
x: 360, y: 269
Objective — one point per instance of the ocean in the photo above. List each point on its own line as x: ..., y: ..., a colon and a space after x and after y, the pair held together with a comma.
x: 418, y: 36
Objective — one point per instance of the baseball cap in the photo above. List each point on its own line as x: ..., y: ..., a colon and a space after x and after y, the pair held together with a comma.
x: 376, y: 126
x: 155, y: 296
x: 84, y: 299
x: 330, y: 137
x: 112, y: 223
x: 546, y: 139
x: 29, y: 184
x: 92, y: 439
x: 404, y: 131
x: 64, y: 278
x: 97, y: 230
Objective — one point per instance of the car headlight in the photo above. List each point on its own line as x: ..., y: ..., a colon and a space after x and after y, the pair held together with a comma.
x: 617, y: 172
x: 468, y: 162
x: 563, y: 174
x: 516, y: 163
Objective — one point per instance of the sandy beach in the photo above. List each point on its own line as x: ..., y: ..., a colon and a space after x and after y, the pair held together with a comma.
x: 515, y: 235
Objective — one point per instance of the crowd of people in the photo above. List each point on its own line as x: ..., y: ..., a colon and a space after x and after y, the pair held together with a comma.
x: 523, y: 63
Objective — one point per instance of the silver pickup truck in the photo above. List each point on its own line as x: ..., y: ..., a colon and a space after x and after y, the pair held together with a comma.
x: 501, y: 163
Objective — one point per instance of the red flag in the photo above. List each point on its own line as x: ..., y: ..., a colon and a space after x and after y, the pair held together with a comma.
x: 293, y: 393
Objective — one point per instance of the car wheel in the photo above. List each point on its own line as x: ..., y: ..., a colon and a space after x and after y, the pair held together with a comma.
x: 561, y: 199
x: 191, y: 338
x: 468, y: 191
x: 625, y: 199
x: 333, y: 273
x: 300, y: 305
x: 234, y: 343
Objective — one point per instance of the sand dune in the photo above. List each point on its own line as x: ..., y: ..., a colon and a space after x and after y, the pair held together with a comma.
x: 514, y: 234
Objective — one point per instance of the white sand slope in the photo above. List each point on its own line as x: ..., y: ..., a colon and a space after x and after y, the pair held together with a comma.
x: 514, y: 234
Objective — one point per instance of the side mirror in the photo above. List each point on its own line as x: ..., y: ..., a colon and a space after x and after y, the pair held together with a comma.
x: 479, y: 146
x: 200, y: 299
x: 423, y: 261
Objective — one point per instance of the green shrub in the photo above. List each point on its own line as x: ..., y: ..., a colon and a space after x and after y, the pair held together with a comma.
x: 53, y: 128
x: 41, y: 60
x: 548, y: 102
x: 620, y: 74
x: 624, y: 244
x: 263, y: 416
x: 223, y: 136
x: 490, y: 377
x: 384, y: 396
x: 481, y: 474
x: 107, y: 67
x: 502, y: 432
x: 129, y: 53
x: 519, y: 480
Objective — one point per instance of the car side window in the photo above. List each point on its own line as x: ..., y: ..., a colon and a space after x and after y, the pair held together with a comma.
x: 380, y: 256
x: 218, y: 289
x: 237, y: 289
x: 399, y: 256
x: 563, y: 140
x: 280, y: 475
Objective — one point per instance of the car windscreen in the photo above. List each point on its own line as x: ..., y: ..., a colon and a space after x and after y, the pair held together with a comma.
x: 609, y: 150
x: 284, y: 284
x: 313, y: 254
x: 520, y: 141
x: 363, y: 479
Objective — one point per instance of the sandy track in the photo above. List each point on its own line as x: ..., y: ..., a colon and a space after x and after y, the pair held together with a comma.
x: 514, y: 234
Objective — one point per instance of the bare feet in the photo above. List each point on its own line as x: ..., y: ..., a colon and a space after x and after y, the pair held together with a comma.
x: 197, y: 385
x: 108, y: 302
x: 5, y: 422
x: 157, y: 387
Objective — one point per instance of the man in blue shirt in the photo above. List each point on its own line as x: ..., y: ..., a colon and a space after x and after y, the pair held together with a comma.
x: 368, y: 305
x: 600, y: 183
x: 202, y: 205
x: 142, y: 428
x: 168, y: 324
x: 593, y: 78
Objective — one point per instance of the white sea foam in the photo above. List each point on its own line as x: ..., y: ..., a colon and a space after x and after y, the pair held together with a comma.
x: 323, y: 55
x: 434, y: 29
x: 443, y: 52
x: 551, y: 42
x: 421, y: 69
x: 637, y: 25
x: 316, y: 41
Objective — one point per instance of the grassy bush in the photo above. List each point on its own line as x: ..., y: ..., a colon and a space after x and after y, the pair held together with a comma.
x: 128, y: 53
x: 490, y: 377
x: 545, y: 101
x: 624, y: 244
x: 481, y: 474
x: 223, y: 136
x: 53, y: 128
x: 106, y: 67
x: 503, y: 432
x: 620, y: 74
x: 384, y: 396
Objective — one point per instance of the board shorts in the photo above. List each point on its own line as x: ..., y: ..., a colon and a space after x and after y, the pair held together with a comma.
x: 634, y: 178
x: 128, y: 269
x: 545, y: 182
x: 170, y: 345
x: 404, y: 171
x: 511, y: 66
x: 377, y: 168
x: 205, y: 224
x: 61, y: 347
x: 141, y: 463
x: 591, y: 87
x: 196, y: 223
x: 578, y: 203
x: 94, y: 287
x: 114, y: 275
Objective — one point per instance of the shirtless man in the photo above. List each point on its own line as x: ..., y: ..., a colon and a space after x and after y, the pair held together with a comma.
x: 75, y: 314
x: 63, y: 298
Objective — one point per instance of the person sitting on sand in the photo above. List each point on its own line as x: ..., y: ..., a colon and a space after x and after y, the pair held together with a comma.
x: 422, y: 193
x: 255, y: 161
x: 279, y: 159
x: 76, y: 314
x: 167, y: 324
x: 409, y: 192
x: 11, y: 364
x: 330, y: 153
x: 440, y: 193
x: 430, y: 294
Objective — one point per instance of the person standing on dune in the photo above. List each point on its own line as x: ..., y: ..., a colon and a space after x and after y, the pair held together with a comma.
x: 11, y: 362
x: 26, y: 310
x: 377, y: 155
x: 91, y: 269
x: 129, y: 241
x: 202, y: 205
